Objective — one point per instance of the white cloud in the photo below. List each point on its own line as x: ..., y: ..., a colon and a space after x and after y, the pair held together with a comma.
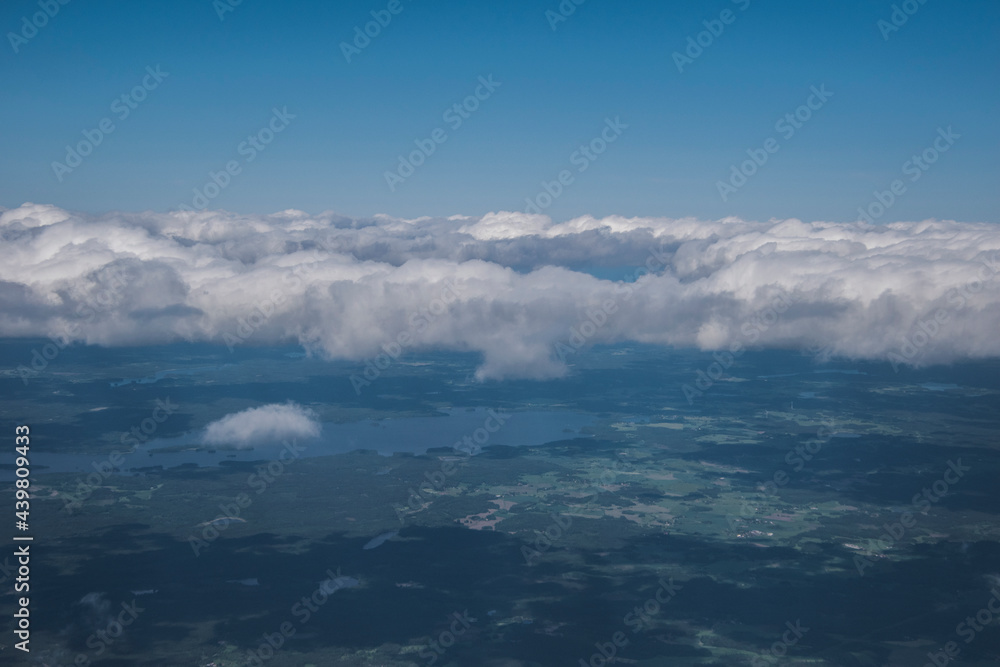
x: 267, y: 424
x: 508, y: 285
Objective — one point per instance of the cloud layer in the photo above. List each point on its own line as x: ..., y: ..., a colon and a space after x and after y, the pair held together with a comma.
x: 267, y: 424
x: 520, y: 289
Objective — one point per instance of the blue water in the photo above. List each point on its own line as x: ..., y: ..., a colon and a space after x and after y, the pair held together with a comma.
x: 387, y: 436
x: 938, y: 386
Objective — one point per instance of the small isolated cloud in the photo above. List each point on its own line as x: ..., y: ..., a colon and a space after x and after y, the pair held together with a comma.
x: 268, y: 423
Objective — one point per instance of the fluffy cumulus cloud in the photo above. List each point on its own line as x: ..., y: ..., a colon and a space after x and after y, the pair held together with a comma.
x: 267, y: 424
x: 522, y: 290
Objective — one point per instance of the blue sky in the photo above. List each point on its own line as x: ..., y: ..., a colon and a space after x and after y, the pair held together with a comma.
x: 557, y: 88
